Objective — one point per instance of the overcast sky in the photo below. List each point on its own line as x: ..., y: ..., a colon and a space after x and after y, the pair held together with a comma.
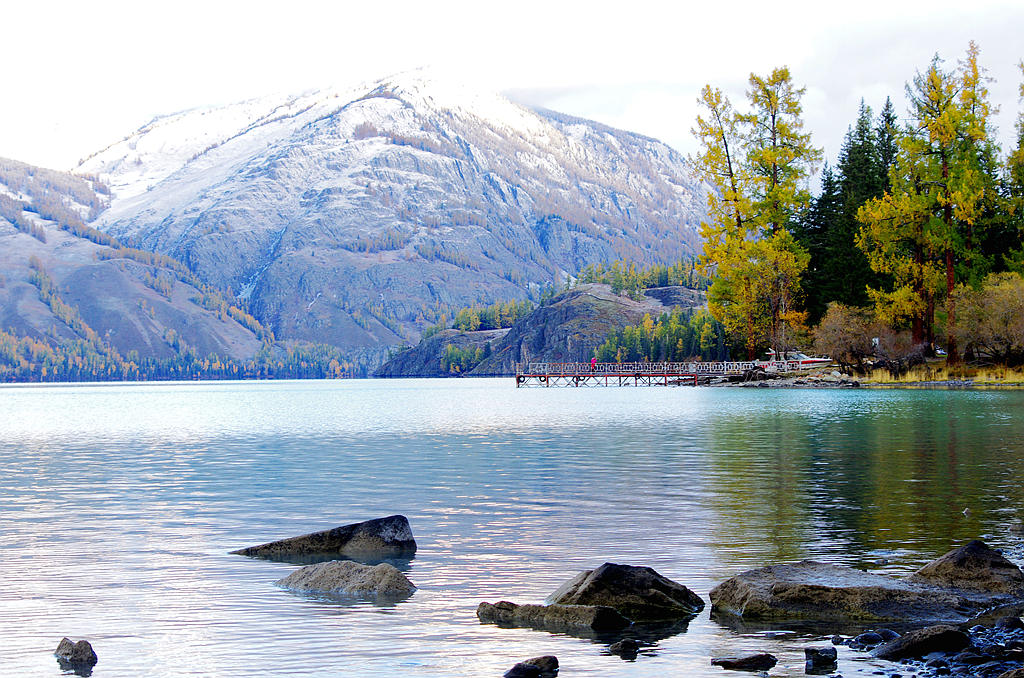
x: 80, y: 75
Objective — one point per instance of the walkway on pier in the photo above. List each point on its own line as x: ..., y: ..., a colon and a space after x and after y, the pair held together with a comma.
x: 627, y: 374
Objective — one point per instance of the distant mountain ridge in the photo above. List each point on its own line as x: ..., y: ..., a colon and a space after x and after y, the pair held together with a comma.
x: 356, y: 216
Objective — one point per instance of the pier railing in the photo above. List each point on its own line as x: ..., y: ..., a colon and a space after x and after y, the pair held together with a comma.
x: 673, y: 368
x: 640, y: 373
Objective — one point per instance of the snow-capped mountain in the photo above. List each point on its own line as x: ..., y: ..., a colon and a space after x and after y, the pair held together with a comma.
x: 354, y: 216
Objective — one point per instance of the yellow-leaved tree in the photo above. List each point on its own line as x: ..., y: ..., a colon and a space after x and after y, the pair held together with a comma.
x: 923, y: 233
x: 757, y: 164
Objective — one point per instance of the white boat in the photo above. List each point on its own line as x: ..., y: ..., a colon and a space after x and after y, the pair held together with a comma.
x: 794, y: 360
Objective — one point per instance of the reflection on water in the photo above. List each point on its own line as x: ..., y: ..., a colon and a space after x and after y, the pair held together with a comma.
x: 119, y: 505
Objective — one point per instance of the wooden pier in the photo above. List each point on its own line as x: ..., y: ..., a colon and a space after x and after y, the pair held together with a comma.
x: 626, y: 374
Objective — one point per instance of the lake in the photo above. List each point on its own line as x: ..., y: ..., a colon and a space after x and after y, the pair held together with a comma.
x: 119, y: 504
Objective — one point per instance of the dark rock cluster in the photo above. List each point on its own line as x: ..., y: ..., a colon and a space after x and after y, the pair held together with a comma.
x: 994, y: 651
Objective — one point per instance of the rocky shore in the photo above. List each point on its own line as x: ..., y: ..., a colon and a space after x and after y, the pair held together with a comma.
x: 959, y: 615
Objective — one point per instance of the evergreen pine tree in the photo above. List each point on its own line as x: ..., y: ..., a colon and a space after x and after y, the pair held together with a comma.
x: 886, y: 135
x: 812, y: 229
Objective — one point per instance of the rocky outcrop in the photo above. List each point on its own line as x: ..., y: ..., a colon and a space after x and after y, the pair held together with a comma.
x: 754, y: 662
x: 552, y: 617
x: 638, y: 593
x: 939, y: 638
x: 567, y: 329
x: 389, y: 537
x: 425, y: 359
x: 951, y: 589
x: 571, y: 326
x: 348, y: 577
x: 75, y: 656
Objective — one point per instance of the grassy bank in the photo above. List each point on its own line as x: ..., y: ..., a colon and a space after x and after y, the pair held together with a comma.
x: 938, y: 373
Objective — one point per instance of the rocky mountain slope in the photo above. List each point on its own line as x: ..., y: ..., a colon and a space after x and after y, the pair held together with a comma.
x: 567, y: 329
x: 63, y: 282
x: 357, y: 216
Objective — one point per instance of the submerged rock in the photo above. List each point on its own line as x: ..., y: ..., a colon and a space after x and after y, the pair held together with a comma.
x: 627, y: 648
x: 75, y: 656
x: 950, y: 589
x: 754, y: 662
x: 389, y: 537
x: 552, y: 617
x: 639, y: 593
x: 940, y: 638
x: 348, y: 577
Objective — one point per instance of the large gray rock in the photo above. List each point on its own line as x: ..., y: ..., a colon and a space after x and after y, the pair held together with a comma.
x: 552, y: 617
x: 346, y: 576
x: 974, y: 566
x: 951, y: 589
x: 639, y: 593
x: 78, y: 654
x: 389, y: 537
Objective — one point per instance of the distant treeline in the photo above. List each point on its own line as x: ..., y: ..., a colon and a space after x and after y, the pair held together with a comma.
x: 682, y: 335
x: 24, y: 359
x: 629, y: 279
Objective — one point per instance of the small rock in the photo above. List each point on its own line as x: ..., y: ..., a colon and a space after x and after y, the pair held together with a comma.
x: 867, y: 639
x: 76, y: 654
x: 754, y: 662
x: 887, y: 634
x: 627, y: 648
x: 346, y: 576
x: 523, y: 670
x: 548, y: 664
x: 1013, y: 673
x: 1010, y: 624
x: 940, y: 638
x: 819, y: 660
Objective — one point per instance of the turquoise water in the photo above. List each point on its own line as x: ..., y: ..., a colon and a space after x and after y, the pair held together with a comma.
x: 119, y: 504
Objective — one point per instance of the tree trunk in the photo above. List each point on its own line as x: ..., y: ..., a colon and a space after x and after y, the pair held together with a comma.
x: 952, y: 356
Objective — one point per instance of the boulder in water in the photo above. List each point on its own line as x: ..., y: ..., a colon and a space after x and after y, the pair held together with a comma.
x: 348, y: 577
x: 950, y: 589
x: 389, y: 537
x: 638, y: 593
x: 553, y: 617
x: 974, y: 567
x: 75, y: 656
